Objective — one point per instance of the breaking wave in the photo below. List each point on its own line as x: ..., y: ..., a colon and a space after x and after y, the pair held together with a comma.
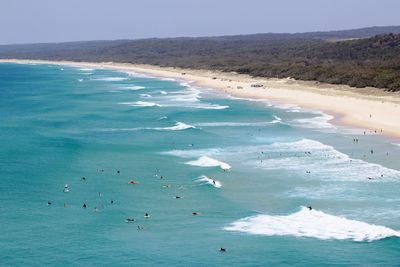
x: 207, y: 180
x: 314, y: 224
x: 205, y: 161
x: 133, y: 88
x: 141, y: 104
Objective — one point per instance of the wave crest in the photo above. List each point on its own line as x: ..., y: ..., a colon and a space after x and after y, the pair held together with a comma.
x: 205, y: 161
x: 207, y: 180
x: 312, y: 223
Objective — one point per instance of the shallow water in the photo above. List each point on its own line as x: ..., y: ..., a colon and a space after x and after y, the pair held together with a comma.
x: 60, y: 124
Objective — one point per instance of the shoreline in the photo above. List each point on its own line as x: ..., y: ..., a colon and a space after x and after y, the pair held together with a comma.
x: 368, y: 109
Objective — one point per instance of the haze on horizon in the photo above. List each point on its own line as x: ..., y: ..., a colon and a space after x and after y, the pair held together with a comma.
x: 76, y: 20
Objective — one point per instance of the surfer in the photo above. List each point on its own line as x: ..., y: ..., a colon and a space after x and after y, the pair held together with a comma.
x: 83, y: 178
x: 146, y: 215
x: 213, y: 182
x: 112, y: 202
x: 129, y: 220
x: 222, y: 249
x: 195, y: 213
x: 84, y: 205
x: 48, y: 203
x: 309, y: 208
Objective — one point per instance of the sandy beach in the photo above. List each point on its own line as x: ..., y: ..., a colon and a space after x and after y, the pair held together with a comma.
x: 370, y: 109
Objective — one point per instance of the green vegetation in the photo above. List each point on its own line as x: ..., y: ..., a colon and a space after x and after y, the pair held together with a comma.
x: 359, y: 62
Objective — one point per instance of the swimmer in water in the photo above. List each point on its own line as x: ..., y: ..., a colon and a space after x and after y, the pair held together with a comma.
x: 66, y: 189
x: 83, y: 178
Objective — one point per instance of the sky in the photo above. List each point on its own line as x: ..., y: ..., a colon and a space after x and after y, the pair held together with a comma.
x: 34, y: 21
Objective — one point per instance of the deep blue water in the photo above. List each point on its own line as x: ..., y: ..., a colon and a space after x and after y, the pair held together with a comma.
x: 59, y: 124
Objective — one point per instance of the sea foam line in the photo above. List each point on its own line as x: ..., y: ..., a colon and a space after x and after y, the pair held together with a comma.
x: 111, y: 79
x: 133, y: 88
x: 179, y: 126
x: 141, y: 104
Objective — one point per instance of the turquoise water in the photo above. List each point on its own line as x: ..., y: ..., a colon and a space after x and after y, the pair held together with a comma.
x: 59, y: 124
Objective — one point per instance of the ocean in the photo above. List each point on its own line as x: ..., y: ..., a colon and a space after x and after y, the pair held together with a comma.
x: 271, y: 184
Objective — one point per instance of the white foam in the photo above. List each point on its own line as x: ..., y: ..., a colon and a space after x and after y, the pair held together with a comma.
x: 319, y: 122
x: 312, y: 223
x: 236, y: 124
x: 133, y: 88
x: 288, y: 107
x: 186, y: 84
x: 188, y: 98
x: 207, y: 180
x: 323, y: 162
x: 163, y: 92
x: 145, y: 96
x: 168, y: 79
x: 111, y: 79
x: 179, y: 126
x: 276, y: 119
x: 192, y: 153
x: 141, y: 104
x: 138, y: 75
x: 210, y: 106
x: 86, y: 69
x: 205, y: 161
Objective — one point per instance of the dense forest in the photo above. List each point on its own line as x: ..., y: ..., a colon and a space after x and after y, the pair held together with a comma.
x: 360, y: 58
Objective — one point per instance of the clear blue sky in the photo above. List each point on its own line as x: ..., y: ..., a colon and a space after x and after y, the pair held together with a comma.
x: 30, y: 21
